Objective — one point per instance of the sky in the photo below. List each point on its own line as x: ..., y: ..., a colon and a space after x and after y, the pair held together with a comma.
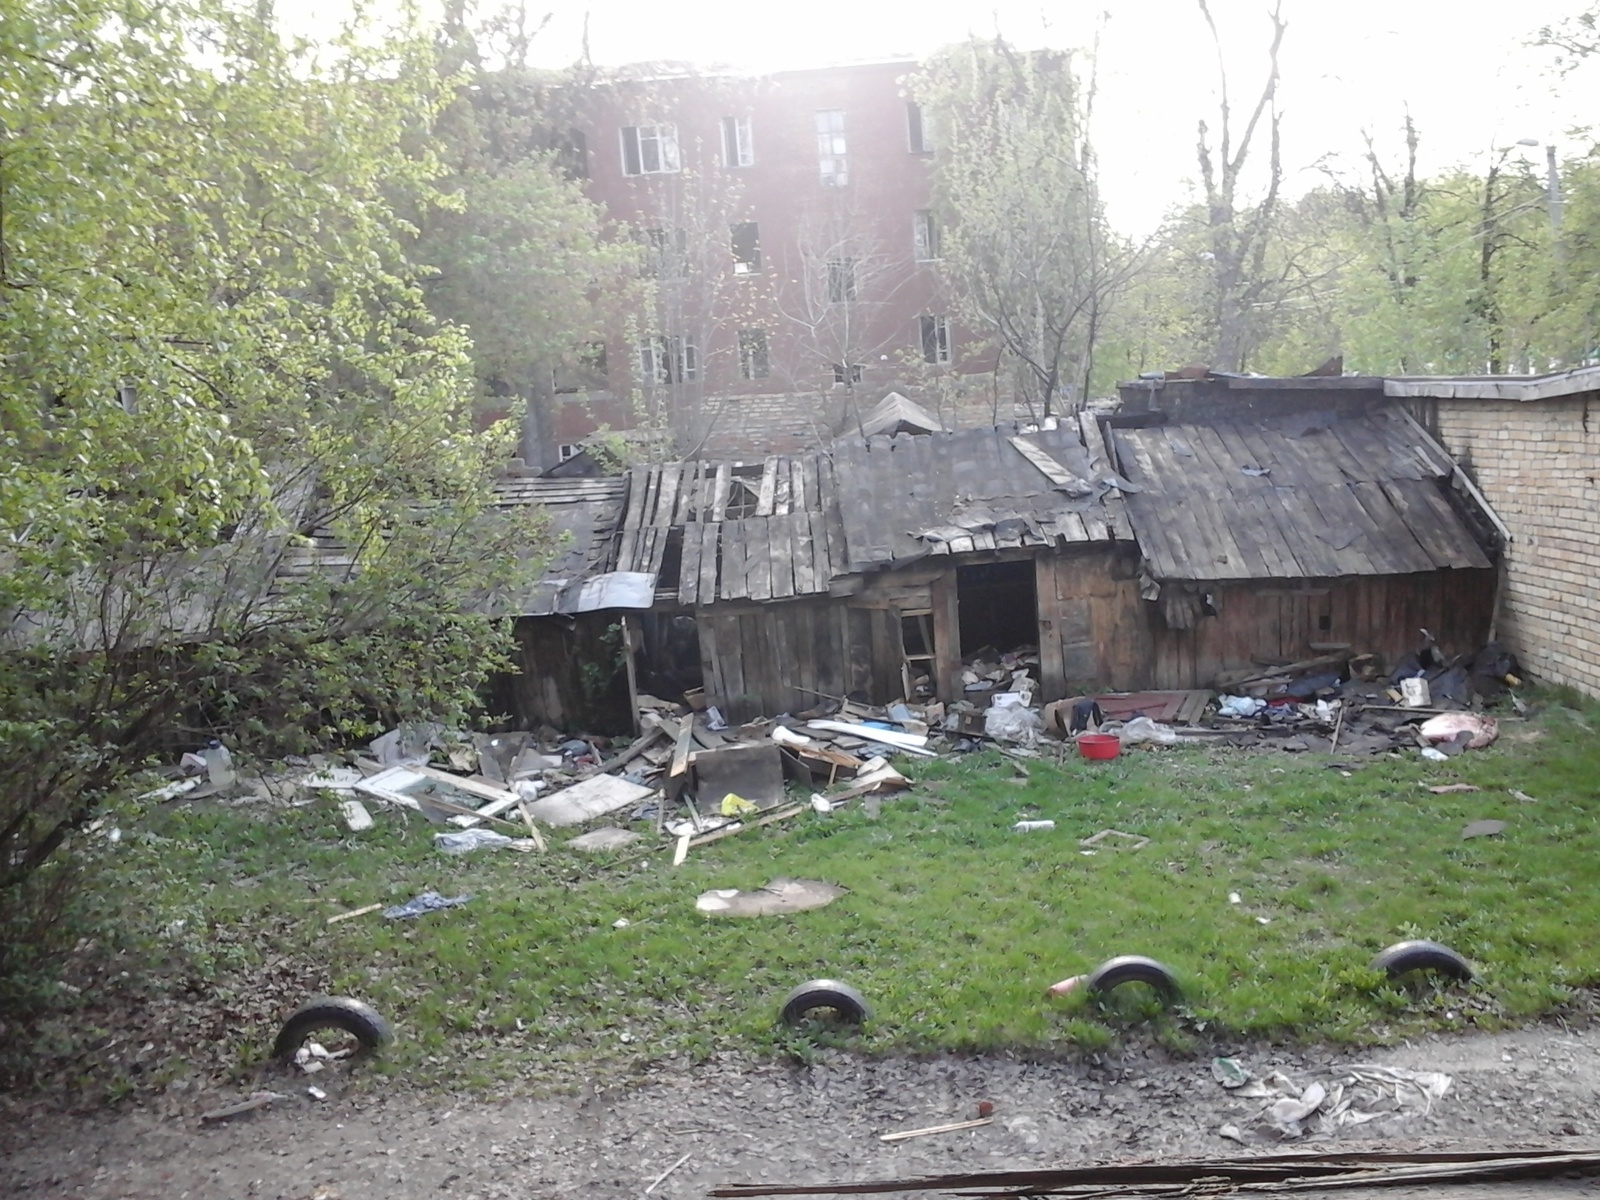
x: 1473, y: 85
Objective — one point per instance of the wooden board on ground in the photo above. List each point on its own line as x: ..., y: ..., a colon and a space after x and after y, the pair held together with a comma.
x: 587, y: 800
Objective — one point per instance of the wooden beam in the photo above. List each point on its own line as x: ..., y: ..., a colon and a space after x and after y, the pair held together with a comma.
x: 1050, y: 468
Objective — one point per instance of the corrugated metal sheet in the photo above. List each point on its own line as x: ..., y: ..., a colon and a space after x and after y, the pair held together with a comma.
x: 906, y: 497
x: 1292, y: 498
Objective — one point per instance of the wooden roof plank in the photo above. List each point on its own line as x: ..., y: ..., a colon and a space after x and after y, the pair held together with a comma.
x: 769, y: 487
x: 758, y: 558
x: 719, y: 495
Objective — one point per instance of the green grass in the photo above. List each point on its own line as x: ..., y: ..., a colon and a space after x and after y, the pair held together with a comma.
x: 953, y: 925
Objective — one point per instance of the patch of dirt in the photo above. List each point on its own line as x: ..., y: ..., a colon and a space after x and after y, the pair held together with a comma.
x: 743, y: 1120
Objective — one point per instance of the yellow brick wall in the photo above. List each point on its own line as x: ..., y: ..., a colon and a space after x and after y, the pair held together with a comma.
x: 1538, y: 462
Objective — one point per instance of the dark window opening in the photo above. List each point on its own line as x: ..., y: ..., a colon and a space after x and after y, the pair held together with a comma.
x: 841, y: 280
x: 843, y: 374
x: 998, y: 609
x: 753, y: 360
x: 746, y: 248
x: 744, y: 493
x: 935, y: 340
x: 918, y: 136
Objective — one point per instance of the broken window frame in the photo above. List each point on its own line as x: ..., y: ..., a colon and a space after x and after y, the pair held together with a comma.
x: 856, y: 372
x: 918, y: 136
x: 755, y: 361
x: 587, y: 373
x: 833, y: 156
x: 935, y: 339
x: 841, y: 280
x: 924, y: 235
x: 738, y: 143
x: 666, y: 360
x: 666, y: 252
x: 744, y: 492
x: 745, y: 239
x: 650, y: 149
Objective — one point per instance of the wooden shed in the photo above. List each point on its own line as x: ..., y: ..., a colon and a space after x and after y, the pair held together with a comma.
x: 1278, y: 536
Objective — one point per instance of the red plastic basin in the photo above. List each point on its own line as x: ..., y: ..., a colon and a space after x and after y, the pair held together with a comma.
x: 1099, y: 745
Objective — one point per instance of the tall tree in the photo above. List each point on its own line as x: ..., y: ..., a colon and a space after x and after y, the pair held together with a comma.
x: 1240, y: 231
x: 216, y: 350
x: 1026, y: 247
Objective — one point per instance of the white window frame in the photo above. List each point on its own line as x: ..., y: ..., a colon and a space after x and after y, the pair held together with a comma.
x: 924, y: 235
x: 667, y: 360
x: 738, y: 142
x: 940, y: 341
x: 832, y: 147
x: 568, y: 450
x: 655, y: 149
x: 852, y: 373
x: 751, y: 265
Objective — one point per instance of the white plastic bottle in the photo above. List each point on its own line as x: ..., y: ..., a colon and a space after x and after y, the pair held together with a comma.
x: 219, y: 764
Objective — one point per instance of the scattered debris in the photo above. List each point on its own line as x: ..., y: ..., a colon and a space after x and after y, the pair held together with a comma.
x: 356, y: 816
x: 468, y: 840
x: 1478, y: 829
x: 1136, y: 841
x: 255, y: 1101
x: 606, y: 839
x: 1229, y: 1073
x: 596, y: 797
x: 316, y: 1093
x: 779, y: 896
x: 1446, y: 727
x: 656, y: 1182
x: 847, y: 1004
x: 1447, y: 789
x: 952, y: 1127
x: 426, y: 903
x: 348, y: 1015
x: 1523, y: 796
x: 354, y: 912
x: 1033, y: 826
x: 1132, y: 968
x: 1421, y: 955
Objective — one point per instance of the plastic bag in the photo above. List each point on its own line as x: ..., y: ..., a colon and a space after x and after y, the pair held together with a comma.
x: 1239, y: 706
x: 468, y: 840
x: 1143, y: 729
x: 1013, y: 723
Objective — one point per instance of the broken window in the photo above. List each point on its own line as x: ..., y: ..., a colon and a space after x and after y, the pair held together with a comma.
x: 753, y: 361
x: 841, y: 280
x: 668, y: 360
x: 738, y: 149
x: 831, y: 147
x: 747, y: 248
x: 666, y: 253
x: 744, y: 492
x: 649, y: 149
x: 924, y: 235
x: 572, y: 154
x: 585, y: 372
x: 844, y: 373
x: 918, y: 135
x: 935, y: 340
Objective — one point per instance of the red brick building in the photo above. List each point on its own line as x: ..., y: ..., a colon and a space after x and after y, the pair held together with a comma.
x: 786, y: 225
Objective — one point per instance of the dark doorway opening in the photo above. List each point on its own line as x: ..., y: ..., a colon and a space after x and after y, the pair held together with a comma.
x: 998, y: 607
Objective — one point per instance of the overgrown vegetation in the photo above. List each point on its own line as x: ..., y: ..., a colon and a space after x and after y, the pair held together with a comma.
x: 953, y: 925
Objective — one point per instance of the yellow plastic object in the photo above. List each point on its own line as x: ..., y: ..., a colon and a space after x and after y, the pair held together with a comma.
x: 737, y: 806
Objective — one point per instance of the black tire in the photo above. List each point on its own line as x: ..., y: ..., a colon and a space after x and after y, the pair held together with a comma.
x: 849, y: 1004
x: 332, y: 1012
x: 1132, y: 968
x: 1422, y: 956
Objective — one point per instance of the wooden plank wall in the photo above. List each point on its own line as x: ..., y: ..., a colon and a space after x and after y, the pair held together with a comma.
x: 553, y: 686
x: 758, y: 658
x: 1380, y: 614
x: 1093, y: 631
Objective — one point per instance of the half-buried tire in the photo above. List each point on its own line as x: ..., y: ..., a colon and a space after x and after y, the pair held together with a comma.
x: 1403, y: 957
x: 354, y: 1017
x: 1132, y: 968
x: 849, y: 1005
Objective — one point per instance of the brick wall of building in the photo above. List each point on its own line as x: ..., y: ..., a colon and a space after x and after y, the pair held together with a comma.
x: 1538, y: 463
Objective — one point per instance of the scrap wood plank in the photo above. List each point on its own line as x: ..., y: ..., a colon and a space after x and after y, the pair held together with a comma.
x: 710, y: 536
x: 689, y: 565
x: 639, y: 746
x: 680, y: 753
x: 780, y: 541
x: 803, y: 547
x: 781, y: 814
x: 783, y: 495
x: 734, y: 585
x: 1049, y: 467
x: 667, y: 499
x: 719, y: 492
x: 587, y: 800
x: 533, y: 829
x: 354, y: 912
x: 769, y: 486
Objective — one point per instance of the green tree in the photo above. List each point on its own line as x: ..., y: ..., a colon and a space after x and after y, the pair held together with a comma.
x: 217, y: 359
x: 1026, y: 248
